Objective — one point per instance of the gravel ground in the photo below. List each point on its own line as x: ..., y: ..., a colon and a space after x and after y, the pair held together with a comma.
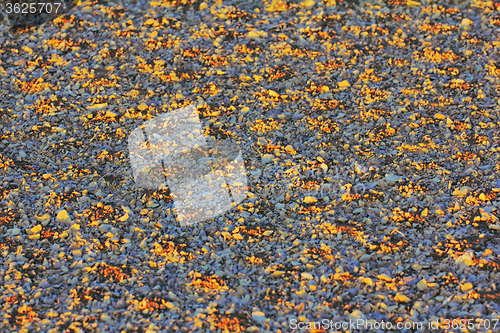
x: 370, y: 132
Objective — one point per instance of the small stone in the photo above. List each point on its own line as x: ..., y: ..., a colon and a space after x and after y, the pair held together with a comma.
x: 422, y: 285
x: 267, y: 158
x: 111, y: 114
x: 105, y: 318
x: 301, y: 293
x: 121, y: 304
x: 144, y: 290
x: 365, y: 257
x: 310, y: 200
x: 259, y: 316
x: 306, y: 276
x: 278, y: 273
x: 384, y: 277
x: 391, y: 178
x: 466, y: 24
x: 75, y: 227
x: 36, y: 229
x: 466, y: 287
x: 356, y: 314
x: 43, y: 218
x: 344, y: 85
x: 63, y: 217
x: 461, y: 192
x: 97, y: 107
x: 368, y: 281
x: 417, y: 267
x: 401, y: 298
x: 15, y: 231
x: 142, y: 107
x: 44, y: 284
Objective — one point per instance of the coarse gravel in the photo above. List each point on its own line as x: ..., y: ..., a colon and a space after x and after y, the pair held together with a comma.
x: 369, y: 129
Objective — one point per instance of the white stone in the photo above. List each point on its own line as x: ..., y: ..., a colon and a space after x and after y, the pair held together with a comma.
x: 392, y: 178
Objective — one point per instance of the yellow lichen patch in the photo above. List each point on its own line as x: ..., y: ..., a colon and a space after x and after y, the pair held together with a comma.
x: 324, y: 252
x: 335, y: 229
x: 435, y: 55
x: 380, y: 133
x: 326, y: 104
x: 399, y: 215
x: 230, y: 322
x: 399, y: 62
x: 255, y: 260
x: 172, y: 252
x: 371, y: 114
x: 437, y: 28
x: 323, y: 125
x: 209, y: 89
x: 369, y: 197
x: 215, y: 61
x: 277, y: 6
x: 369, y: 75
x: 373, y: 95
x: 107, y: 272
x: 493, y: 69
x: 421, y: 147
x: 409, y: 189
x: 206, y: 282
x: 263, y: 126
x: 458, y: 249
x: 331, y: 64
x: 457, y: 84
x: 346, y: 276
x: 34, y: 86
x: 153, y: 304
x: 465, y: 156
x: 23, y: 315
x: 99, y: 211
x: 411, y: 91
x: 317, y: 88
x: 84, y: 296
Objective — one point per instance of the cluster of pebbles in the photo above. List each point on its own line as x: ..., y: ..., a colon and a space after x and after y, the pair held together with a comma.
x: 369, y: 130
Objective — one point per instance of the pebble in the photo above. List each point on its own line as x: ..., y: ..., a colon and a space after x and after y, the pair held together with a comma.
x: 121, y: 304
x: 466, y: 287
x: 267, y: 158
x: 401, y: 298
x: 310, y: 200
x: 63, y: 217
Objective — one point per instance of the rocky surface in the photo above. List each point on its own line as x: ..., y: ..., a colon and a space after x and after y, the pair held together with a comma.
x: 370, y: 133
